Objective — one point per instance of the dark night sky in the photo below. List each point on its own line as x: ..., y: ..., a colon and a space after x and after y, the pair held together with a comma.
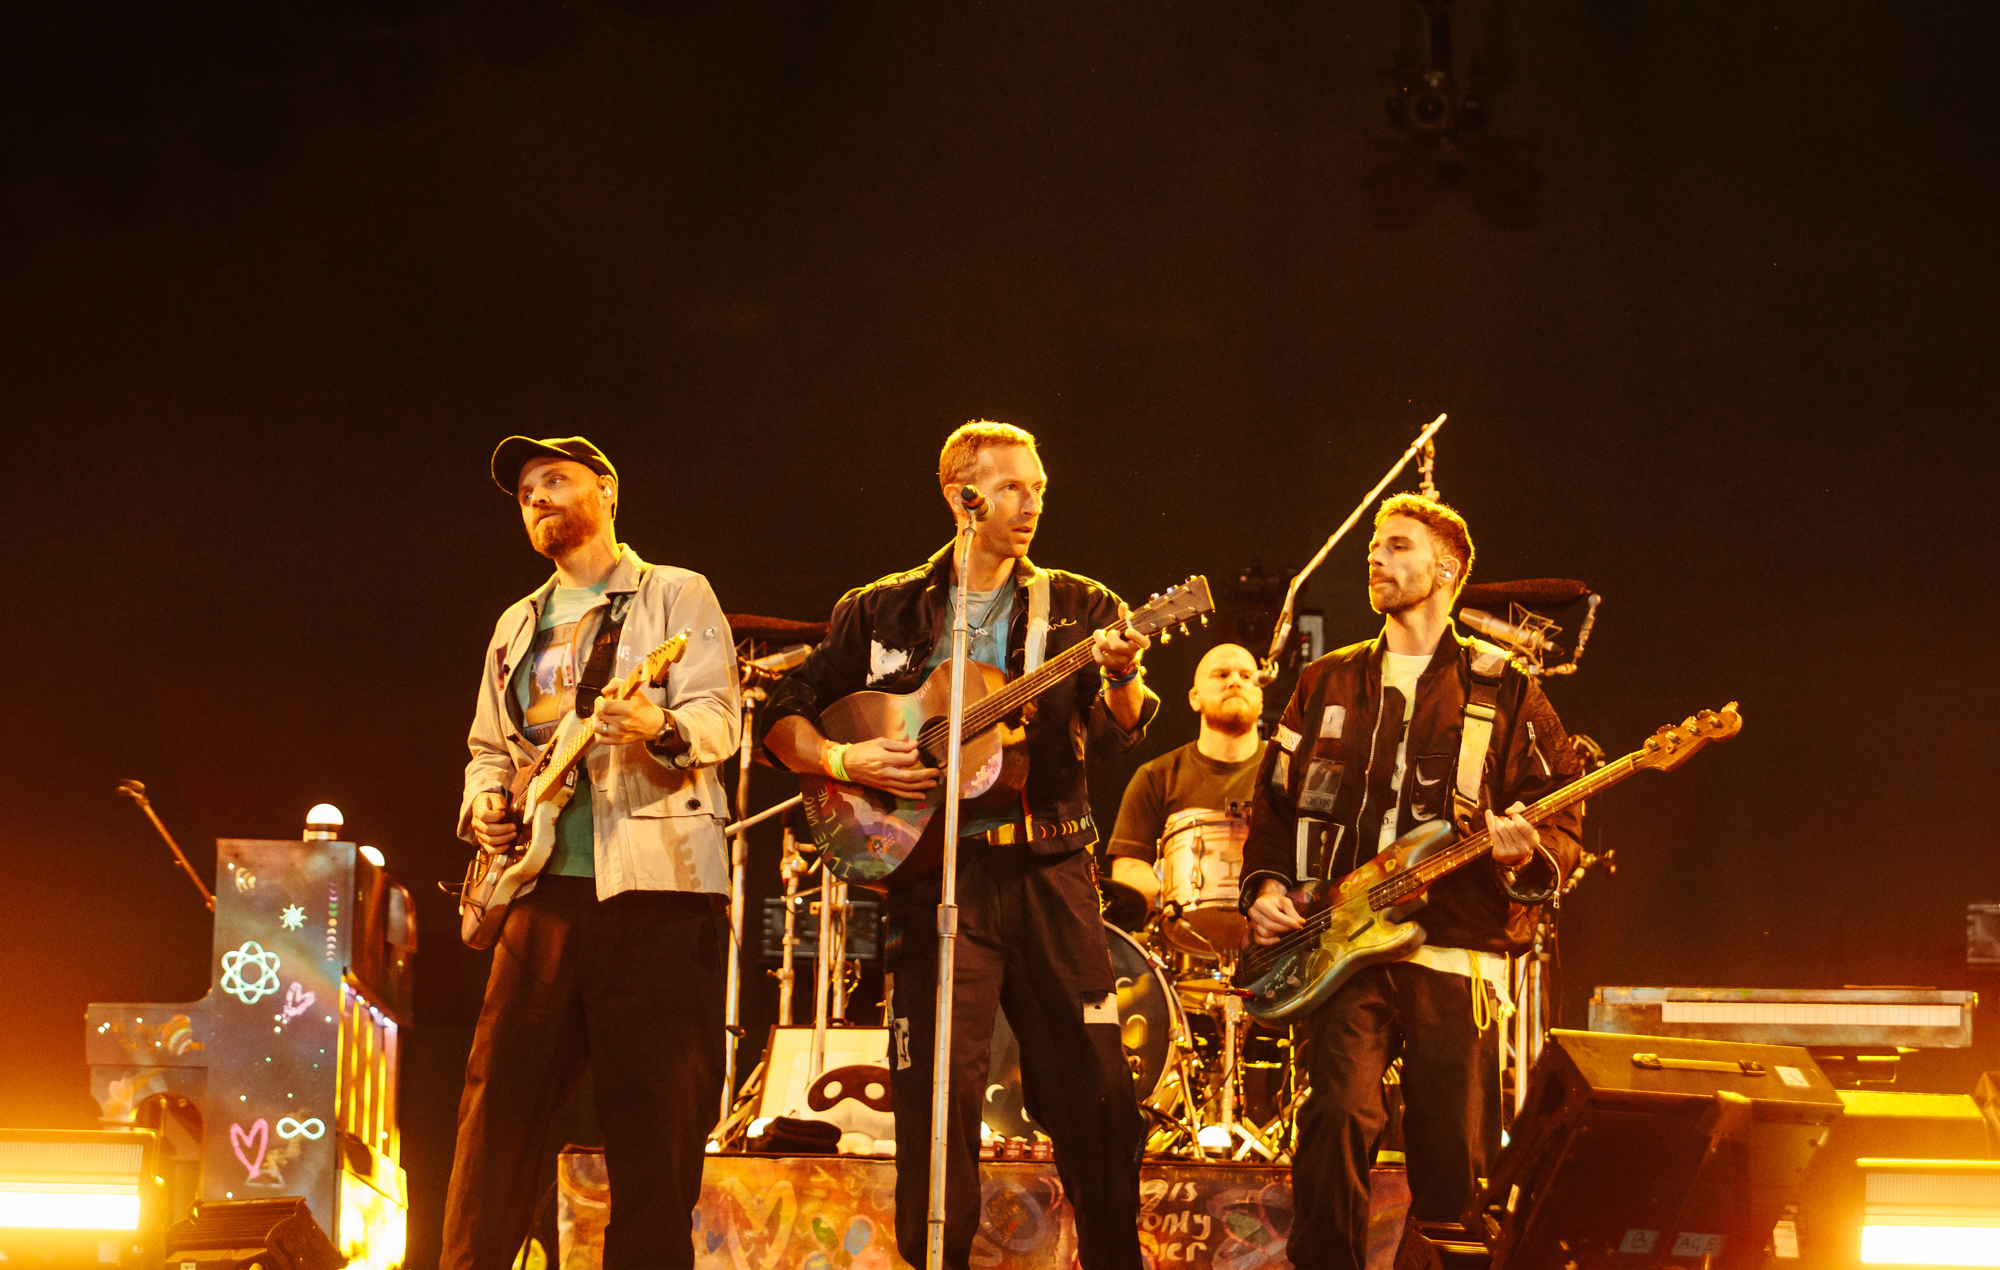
x: 1711, y: 309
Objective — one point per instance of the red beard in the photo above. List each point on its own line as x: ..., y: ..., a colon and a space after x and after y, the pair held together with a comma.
x: 558, y: 535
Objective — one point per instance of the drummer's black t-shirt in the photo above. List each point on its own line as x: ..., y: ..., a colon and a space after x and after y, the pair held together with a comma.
x: 1173, y: 782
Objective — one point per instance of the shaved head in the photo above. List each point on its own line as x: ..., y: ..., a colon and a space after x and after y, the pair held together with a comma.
x: 1225, y: 693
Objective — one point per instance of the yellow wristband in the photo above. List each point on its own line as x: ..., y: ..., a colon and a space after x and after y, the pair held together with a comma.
x: 836, y: 762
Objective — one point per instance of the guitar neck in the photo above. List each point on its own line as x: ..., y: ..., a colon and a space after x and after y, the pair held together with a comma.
x: 1463, y: 852
x: 558, y: 768
x: 987, y: 711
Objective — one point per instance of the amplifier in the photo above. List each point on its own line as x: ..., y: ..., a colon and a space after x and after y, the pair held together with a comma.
x: 1637, y: 1151
x: 864, y: 929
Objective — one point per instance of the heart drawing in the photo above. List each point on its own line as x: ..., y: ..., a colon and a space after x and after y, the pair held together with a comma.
x: 257, y: 1138
x: 298, y: 1000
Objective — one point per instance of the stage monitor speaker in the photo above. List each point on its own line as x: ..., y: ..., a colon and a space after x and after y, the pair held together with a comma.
x: 1986, y: 1095
x: 1637, y: 1151
x: 251, y: 1234
x: 1879, y: 1124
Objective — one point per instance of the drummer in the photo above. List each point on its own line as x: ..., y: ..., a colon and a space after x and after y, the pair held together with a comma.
x: 1216, y: 769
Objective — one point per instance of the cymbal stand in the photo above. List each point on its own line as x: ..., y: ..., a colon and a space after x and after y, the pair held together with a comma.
x: 739, y: 859
x: 947, y: 910
x: 1240, y: 1137
x: 737, y: 835
x: 790, y: 865
x: 829, y: 968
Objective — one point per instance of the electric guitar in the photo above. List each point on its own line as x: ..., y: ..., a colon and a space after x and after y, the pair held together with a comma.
x: 1365, y: 918
x: 495, y: 879
x: 875, y: 839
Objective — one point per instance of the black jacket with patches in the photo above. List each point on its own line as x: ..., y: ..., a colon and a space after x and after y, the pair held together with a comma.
x: 1327, y: 762
x: 881, y: 635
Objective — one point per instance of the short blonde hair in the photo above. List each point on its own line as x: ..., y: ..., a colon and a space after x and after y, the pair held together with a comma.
x: 960, y: 455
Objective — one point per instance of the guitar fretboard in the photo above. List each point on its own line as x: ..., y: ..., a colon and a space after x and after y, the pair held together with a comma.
x: 1395, y: 890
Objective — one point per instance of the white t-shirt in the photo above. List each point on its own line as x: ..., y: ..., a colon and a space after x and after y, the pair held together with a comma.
x: 1401, y: 672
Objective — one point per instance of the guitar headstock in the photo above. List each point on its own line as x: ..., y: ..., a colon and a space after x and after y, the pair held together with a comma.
x: 1177, y: 607
x: 1672, y: 746
x: 654, y: 669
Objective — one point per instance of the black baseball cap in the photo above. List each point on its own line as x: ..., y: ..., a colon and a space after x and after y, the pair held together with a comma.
x: 513, y: 454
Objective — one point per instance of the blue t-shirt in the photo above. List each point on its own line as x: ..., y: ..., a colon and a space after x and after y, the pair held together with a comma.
x: 989, y: 617
x: 545, y: 690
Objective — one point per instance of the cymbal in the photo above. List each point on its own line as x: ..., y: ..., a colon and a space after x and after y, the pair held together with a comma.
x: 1529, y: 593
x: 772, y: 629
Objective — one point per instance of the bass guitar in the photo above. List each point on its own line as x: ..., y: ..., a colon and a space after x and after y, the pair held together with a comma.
x: 495, y: 879
x: 875, y: 839
x: 1364, y: 919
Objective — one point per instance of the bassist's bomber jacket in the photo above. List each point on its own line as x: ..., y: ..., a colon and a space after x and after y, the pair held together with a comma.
x: 881, y: 634
x: 1528, y: 757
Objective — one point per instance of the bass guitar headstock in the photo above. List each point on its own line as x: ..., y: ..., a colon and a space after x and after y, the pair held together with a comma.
x: 1179, y: 606
x: 1674, y: 745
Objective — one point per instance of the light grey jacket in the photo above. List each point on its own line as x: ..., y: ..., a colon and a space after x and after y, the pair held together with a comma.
x: 657, y: 820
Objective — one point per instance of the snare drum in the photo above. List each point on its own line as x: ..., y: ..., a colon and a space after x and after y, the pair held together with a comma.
x: 1201, y: 871
x: 1150, y: 1023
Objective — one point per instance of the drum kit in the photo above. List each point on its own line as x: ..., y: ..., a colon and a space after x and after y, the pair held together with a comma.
x: 1202, y: 1104
x: 1214, y: 1084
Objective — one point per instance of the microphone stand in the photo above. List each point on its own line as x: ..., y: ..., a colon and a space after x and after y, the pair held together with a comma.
x: 1268, y: 672
x: 947, y: 911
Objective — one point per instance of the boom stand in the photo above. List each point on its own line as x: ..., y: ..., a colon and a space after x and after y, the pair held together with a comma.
x: 947, y: 913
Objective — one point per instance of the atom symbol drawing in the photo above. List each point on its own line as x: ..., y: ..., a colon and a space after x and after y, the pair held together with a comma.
x: 250, y: 974
x: 293, y: 917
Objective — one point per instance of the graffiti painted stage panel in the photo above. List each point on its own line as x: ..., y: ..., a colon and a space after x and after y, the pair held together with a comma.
x: 838, y: 1213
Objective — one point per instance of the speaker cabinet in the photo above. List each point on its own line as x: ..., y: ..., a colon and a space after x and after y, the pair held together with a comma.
x: 1637, y: 1151
x: 251, y: 1234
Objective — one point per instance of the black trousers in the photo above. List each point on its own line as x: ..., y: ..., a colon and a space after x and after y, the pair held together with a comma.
x: 1030, y: 942
x: 1451, y: 1105
x: 633, y: 986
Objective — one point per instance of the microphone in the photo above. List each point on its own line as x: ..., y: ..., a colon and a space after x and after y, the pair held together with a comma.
x: 785, y: 659
x: 1530, y: 643
x: 772, y: 667
x: 973, y: 502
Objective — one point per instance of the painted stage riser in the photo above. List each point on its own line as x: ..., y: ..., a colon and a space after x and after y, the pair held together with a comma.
x: 838, y: 1213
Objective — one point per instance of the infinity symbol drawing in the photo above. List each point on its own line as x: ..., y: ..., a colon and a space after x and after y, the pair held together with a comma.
x: 312, y: 1127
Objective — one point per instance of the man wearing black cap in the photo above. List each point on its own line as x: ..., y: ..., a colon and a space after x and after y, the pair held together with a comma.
x: 616, y: 958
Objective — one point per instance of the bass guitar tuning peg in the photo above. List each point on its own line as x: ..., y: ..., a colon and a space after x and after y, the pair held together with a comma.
x: 1167, y: 636
x: 1204, y: 619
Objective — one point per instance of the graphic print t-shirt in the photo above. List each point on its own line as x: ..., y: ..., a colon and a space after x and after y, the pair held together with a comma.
x: 1401, y: 672
x: 989, y: 618
x: 545, y: 691
x: 1173, y: 782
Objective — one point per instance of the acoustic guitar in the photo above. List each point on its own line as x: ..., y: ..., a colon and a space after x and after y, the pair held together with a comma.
x: 1365, y: 918
x: 872, y: 838
x: 494, y: 879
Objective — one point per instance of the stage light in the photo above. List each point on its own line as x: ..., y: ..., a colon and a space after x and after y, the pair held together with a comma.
x: 324, y: 822
x: 373, y: 855
x: 88, y: 1192
x: 1212, y: 1137
x: 1930, y: 1212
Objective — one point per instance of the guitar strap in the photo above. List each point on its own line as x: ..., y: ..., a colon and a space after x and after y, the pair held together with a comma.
x: 1038, y: 621
x: 1481, y: 705
x: 603, y: 654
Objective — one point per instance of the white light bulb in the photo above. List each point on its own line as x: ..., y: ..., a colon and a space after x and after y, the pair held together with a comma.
x: 325, y: 814
x: 373, y: 855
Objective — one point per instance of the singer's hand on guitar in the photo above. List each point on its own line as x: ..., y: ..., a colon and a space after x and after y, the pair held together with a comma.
x: 623, y: 722
x: 893, y: 766
x: 1273, y: 914
x: 1514, y: 839
x: 490, y: 826
x: 1117, y: 651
